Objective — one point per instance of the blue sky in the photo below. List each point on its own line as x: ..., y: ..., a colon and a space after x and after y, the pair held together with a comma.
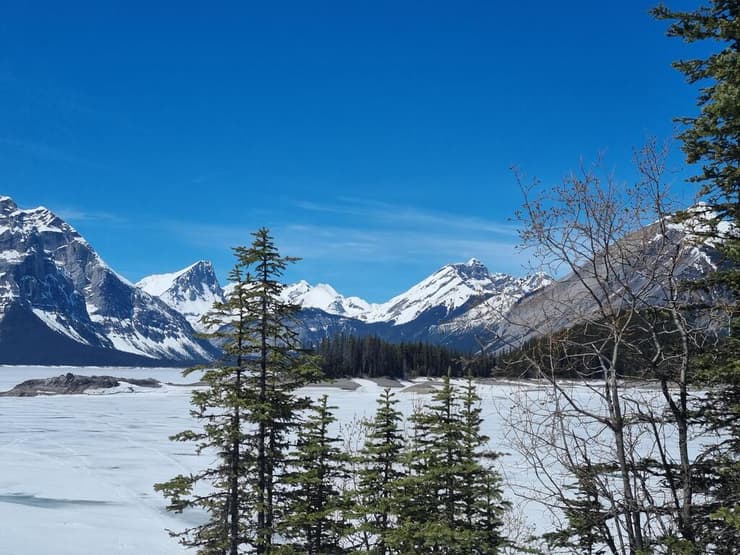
x: 374, y: 138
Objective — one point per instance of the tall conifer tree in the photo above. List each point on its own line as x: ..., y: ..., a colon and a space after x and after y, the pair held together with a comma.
x: 247, y: 409
x: 712, y: 140
x: 380, y: 463
x: 449, y: 501
x: 314, y: 521
x: 482, y: 504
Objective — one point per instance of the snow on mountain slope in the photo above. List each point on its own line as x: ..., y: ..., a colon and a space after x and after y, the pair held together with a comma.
x: 190, y: 291
x: 50, y: 274
x: 451, y: 287
x: 453, y: 300
x: 157, y: 284
x: 324, y: 297
x: 495, y: 307
x: 193, y: 290
x: 53, y: 281
x: 651, y: 265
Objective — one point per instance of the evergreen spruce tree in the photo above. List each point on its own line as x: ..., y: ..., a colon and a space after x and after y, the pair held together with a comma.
x: 411, y: 499
x: 380, y: 464
x: 247, y: 410
x: 712, y: 139
x: 314, y: 521
x: 450, y: 503
x: 482, y: 503
x: 428, y: 522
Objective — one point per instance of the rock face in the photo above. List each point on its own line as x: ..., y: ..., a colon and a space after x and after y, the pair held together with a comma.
x: 449, y: 307
x: 652, y: 264
x: 70, y: 384
x: 467, y: 329
x: 191, y: 291
x: 61, y: 304
x: 452, y: 289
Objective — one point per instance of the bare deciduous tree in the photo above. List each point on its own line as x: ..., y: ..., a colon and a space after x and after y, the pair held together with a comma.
x: 613, y: 458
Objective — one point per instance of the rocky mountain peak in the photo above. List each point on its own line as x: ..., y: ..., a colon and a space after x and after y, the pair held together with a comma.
x: 7, y: 206
x: 197, y: 277
x: 191, y: 291
x: 472, y: 269
x: 324, y: 297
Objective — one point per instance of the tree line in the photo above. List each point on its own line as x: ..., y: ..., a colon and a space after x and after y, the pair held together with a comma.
x: 351, y: 356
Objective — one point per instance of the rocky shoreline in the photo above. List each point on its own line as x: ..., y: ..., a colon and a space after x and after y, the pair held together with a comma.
x: 75, y: 384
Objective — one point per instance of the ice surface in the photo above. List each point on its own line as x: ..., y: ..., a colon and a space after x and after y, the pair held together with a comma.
x: 77, y: 471
x: 80, y: 468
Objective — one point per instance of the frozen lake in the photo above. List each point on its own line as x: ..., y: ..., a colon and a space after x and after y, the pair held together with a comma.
x: 77, y: 471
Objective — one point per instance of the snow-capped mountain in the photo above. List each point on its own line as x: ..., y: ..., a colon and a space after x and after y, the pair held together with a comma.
x: 438, y: 309
x: 324, y: 297
x: 461, y: 305
x: 492, y: 309
x: 191, y: 291
x: 447, y: 307
x: 449, y: 290
x: 56, y: 292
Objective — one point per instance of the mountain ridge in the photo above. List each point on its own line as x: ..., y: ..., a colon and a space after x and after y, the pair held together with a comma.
x: 425, y: 312
x: 53, y: 282
x: 56, y: 291
x: 190, y: 291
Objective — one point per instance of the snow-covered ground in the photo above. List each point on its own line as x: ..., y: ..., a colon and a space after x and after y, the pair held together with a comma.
x: 77, y: 471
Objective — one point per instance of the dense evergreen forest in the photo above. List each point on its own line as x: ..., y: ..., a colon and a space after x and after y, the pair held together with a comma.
x: 370, y: 356
x: 574, y: 353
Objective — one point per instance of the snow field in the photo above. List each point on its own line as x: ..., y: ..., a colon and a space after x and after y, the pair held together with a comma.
x: 77, y: 471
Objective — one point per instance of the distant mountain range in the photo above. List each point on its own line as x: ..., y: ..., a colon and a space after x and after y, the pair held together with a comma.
x: 61, y: 304
x: 437, y: 309
x: 647, y: 272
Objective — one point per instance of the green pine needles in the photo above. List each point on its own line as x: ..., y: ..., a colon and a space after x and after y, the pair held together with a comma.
x: 314, y: 522
x: 711, y: 139
x: 377, y: 501
x: 247, y: 411
x: 449, y: 499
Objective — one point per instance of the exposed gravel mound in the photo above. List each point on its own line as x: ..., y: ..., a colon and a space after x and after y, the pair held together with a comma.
x: 70, y: 384
x: 421, y: 388
x: 347, y: 385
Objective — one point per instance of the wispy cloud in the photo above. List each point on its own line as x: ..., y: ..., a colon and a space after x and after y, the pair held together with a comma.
x: 362, y: 232
x: 52, y: 153
x: 407, y: 216
x: 73, y: 215
x: 392, y: 245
